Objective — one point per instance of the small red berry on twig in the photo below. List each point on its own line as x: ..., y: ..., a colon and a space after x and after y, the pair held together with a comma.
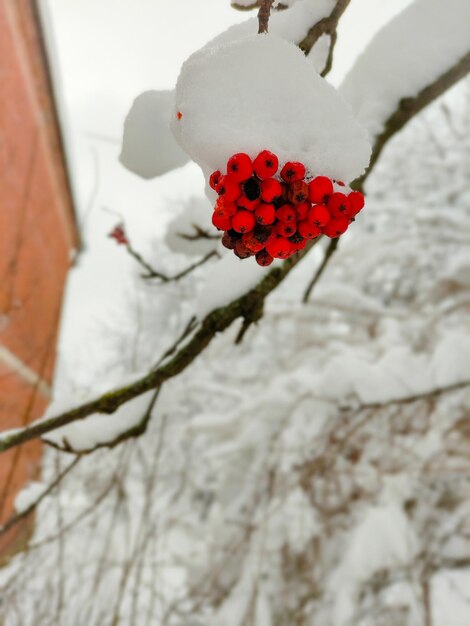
x: 119, y: 235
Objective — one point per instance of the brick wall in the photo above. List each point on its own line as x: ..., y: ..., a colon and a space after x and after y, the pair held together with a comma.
x: 37, y: 237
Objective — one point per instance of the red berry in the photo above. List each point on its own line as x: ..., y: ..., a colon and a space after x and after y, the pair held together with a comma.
x: 243, y: 221
x: 265, y: 214
x: 229, y: 208
x: 336, y: 227
x: 302, y: 210
x: 298, y: 192
x: 308, y: 230
x: 286, y: 213
x: 319, y: 215
x: 241, y: 251
x: 228, y: 241
x: 264, y: 258
x: 221, y: 222
x: 279, y: 248
x: 265, y: 165
x: 245, y: 203
x: 285, y: 229
x: 338, y: 204
x: 298, y: 245
x: 228, y: 188
x: 264, y: 234
x: 214, y: 178
x: 251, y: 242
x: 356, y: 202
x: 292, y: 171
x: 240, y: 167
x: 318, y: 188
x: 270, y: 189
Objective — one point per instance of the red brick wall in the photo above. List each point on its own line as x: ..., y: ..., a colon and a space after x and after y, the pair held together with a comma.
x: 37, y: 236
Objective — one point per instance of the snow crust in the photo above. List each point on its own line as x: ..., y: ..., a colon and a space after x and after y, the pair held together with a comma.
x: 229, y: 104
x: 408, y: 53
x: 148, y: 146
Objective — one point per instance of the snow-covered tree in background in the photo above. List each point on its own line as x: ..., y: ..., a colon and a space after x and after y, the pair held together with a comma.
x: 299, y: 459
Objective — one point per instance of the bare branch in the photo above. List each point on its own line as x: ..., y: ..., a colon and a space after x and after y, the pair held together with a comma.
x: 14, y: 519
x: 263, y: 15
x: 185, y: 272
x: 316, y: 277
x: 428, y: 395
x: 326, y: 26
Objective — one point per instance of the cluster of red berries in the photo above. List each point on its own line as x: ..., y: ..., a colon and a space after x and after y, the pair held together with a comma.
x: 271, y: 217
x: 119, y: 234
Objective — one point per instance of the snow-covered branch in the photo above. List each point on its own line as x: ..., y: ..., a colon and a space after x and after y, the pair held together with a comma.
x: 247, y: 306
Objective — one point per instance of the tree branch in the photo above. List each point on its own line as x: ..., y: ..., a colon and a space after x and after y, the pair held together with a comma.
x: 263, y: 15
x: 316, y: 277
x: 14, y: 519
x: 220, y: 319
x: 411, y: 106
x: 326, y: 26
x: 217, y: 321
x: 153, y: 273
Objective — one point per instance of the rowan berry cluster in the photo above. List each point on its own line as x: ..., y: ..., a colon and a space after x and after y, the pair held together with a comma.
x: 270, y: 215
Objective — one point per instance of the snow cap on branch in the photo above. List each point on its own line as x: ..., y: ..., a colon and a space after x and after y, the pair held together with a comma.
x: 260, y: 92
x: 407, y: 54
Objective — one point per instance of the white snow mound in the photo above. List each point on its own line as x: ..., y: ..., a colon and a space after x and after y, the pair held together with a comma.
x: 407, y: 54
x: 260, y: 92
x: 148, y: 147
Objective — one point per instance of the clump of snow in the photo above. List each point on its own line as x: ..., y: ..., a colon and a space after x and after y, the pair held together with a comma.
x: 410, y: 52
x: 98, y: 428
x: 148, y: 147
x: 260, y: 92
x: 195, y: 215
x: 29, y: 495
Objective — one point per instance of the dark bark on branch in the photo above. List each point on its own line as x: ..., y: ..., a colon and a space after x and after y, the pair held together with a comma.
x: 14, y: 519
x: 263, y: 15
x: 217, y: 321
x: 326, y: 26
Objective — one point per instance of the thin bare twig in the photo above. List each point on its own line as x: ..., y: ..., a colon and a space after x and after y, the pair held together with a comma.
x: 263, y: 15
x: 14, y: 519
x: 326, y: 26
x: 316, y: 277
x: 183, y: 273
x: 153, y: 273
